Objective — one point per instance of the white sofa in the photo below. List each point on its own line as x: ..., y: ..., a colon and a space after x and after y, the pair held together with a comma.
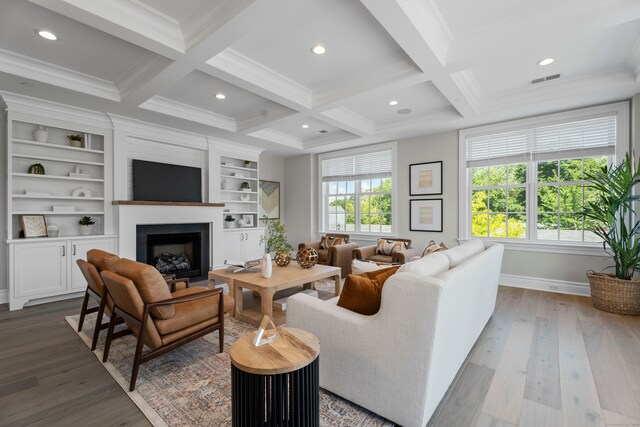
x: 400, y: 362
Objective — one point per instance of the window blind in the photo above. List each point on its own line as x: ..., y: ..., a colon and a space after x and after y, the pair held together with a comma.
x: 590, y: 137
x: 376, y: 164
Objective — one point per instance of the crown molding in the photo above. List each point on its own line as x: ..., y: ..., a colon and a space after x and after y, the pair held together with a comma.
x: 236, y: 64
x: 188, y: 112
x: 278, y: 137
x: 156, y: 133
x: 147, y: 67
x: 234, y: 149
x: 262, y: 117
x: 26, y: 105
x: 45, y: 72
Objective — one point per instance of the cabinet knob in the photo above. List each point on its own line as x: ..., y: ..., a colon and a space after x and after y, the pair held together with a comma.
x: 74, y: 250
x: 64, y: 250
x: 241, y: 236
x: 246, y: 236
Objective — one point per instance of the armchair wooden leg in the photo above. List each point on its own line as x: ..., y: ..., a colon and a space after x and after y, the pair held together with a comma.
x: 136, y: 362
x: 98, y: 327
x: 221, y: 337
x: 107, y: 345
x: 83, y: 312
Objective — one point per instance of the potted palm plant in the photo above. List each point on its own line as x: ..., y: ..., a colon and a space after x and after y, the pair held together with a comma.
x: 613, y: 214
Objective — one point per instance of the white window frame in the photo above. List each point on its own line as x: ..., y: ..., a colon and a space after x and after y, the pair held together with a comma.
x: 322, y: 227
x: 620, y: 109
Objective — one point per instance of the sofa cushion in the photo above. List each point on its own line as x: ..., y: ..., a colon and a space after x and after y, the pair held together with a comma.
x: 363, y: 293
x: 150, y: 284
x: 323, y: 254
x: 381, y: 258
x: 427, y: 266
x: 102, y: 260
x: 461, y: 253
x: 359, y: 267
x: 327, y: 241
x: 434, y: 247
x: 389, y: 247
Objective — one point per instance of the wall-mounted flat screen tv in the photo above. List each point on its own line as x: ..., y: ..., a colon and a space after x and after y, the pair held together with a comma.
x: 164, y: 182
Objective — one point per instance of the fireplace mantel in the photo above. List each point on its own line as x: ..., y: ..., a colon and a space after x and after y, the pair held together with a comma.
x: 146, y: 203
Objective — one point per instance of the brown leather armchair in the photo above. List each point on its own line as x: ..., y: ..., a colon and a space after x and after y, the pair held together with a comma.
x: 158, y: 318
x: 368, y: 253
x: 336, y: 255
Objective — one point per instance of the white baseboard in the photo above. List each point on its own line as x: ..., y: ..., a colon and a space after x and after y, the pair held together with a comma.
x: 549, y: 285
x: 4, y: 296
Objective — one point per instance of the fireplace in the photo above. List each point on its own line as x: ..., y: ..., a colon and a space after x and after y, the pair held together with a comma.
x: 180, y: 249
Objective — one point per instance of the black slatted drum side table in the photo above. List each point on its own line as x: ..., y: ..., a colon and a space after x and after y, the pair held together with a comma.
x: 276, y: 384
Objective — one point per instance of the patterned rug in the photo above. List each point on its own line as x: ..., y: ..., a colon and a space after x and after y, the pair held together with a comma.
x: 191, y: 385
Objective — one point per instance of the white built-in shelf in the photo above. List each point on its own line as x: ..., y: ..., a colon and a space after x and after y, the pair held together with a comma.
x: 59, y: 146
x: 242, y: 178
x: 57, y: 159
x: 68, y: 178
x: 239, y: 201
x: 83, y: 213
x: 50, y: 197
x: 239, y: 168
x: 240, y: 192
x: 240, y: 213
x: 61, y: 238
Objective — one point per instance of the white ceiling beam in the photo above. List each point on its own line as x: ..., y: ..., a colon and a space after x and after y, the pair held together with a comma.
x: 423, y: 46
x: 45, y: 72
x: 539, y: 31
x: 278, y: 138
x: 126, y: 20
x: 189, y: 112
x: 348, y: 120
x: 264, y: 119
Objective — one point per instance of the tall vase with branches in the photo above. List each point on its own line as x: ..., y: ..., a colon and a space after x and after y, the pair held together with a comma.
x: 275, y: 237
x: 613, y: 215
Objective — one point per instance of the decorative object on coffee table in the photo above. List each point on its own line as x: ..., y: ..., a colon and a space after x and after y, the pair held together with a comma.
x: 86, y: 225
x: 426, y: 179
x: 40, y: 134
x: 620, y: 292
x: 34, y: 225
x: 275, y: 237
x: 283, y: 258
x: 307, y: 257
x: 75, y: 140
x: 277, y: 383
x: 36, y: 169
x: 266, y: 266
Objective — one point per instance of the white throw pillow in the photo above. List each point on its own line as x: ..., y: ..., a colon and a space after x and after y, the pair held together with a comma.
x: 429, y: 265
x: 461, y: 253
x: 359, y: 267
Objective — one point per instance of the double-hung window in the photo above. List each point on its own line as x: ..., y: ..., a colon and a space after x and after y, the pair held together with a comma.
x: 526, y: 180
x: 357, y: 193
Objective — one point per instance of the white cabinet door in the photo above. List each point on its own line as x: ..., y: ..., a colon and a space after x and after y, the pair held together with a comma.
x: 79, y: 249
x: 40, y: 268
x: 232, y: 247
x: 253, y: 249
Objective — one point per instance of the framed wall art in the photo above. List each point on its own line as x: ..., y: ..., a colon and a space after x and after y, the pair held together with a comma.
x: 425, y: 179
x: 34, y: 225
x: 425, y: 215
x: 269, y: 196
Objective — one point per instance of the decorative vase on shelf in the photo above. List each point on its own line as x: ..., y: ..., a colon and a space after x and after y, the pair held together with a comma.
x: 241, y: 222
x: 86, y: 230
x: 267, y: 268
x: 53, y: 230
x: 40, y: 134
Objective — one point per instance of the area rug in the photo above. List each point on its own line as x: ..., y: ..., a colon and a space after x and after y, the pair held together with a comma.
x: 191, y: 385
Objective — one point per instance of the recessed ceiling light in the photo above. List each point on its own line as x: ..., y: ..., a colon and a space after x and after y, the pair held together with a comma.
x: 47, y: 35
x: 394, y: 102
x: 545, y: 61
x: 305, y: 126
x: 318, y: 50
x: 220, y: 95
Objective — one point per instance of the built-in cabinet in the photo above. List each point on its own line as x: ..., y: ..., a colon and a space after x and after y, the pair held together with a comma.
x: 46, y: 268
x: 241, y: 246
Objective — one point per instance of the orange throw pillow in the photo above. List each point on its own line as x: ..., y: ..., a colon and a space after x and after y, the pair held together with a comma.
x: 363, y: 293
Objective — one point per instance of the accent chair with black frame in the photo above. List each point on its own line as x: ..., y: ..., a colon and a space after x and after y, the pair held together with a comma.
x: 159, y: 319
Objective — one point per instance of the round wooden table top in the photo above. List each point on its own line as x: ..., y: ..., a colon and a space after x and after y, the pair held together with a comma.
x: 292, y: 350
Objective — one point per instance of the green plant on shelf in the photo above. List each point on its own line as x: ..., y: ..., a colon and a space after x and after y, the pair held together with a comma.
x: 76, y: 137
x: 86, y: 220
x: 229, y: 218
x: 245, y: 186
x: 36, y: 169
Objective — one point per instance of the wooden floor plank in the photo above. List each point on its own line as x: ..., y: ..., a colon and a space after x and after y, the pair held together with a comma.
x: 504, y: 398
x: 614, y: 419
x: 580, y: 403
x: 538, y: 415
x: 484, y: 420
x: 543, y: 372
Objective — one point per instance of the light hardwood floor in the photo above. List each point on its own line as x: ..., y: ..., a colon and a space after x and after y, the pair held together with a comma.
x: 544, y: 359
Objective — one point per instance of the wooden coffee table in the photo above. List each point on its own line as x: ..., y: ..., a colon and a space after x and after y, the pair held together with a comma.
x: 282, y: 278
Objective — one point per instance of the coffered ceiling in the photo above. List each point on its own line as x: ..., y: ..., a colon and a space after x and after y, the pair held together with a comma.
x: 448, y: 64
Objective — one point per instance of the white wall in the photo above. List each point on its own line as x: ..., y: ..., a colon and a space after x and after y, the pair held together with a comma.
x: 301, y: 196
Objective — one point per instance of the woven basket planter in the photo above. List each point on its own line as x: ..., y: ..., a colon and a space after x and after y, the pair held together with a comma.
x: 608, y: 293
